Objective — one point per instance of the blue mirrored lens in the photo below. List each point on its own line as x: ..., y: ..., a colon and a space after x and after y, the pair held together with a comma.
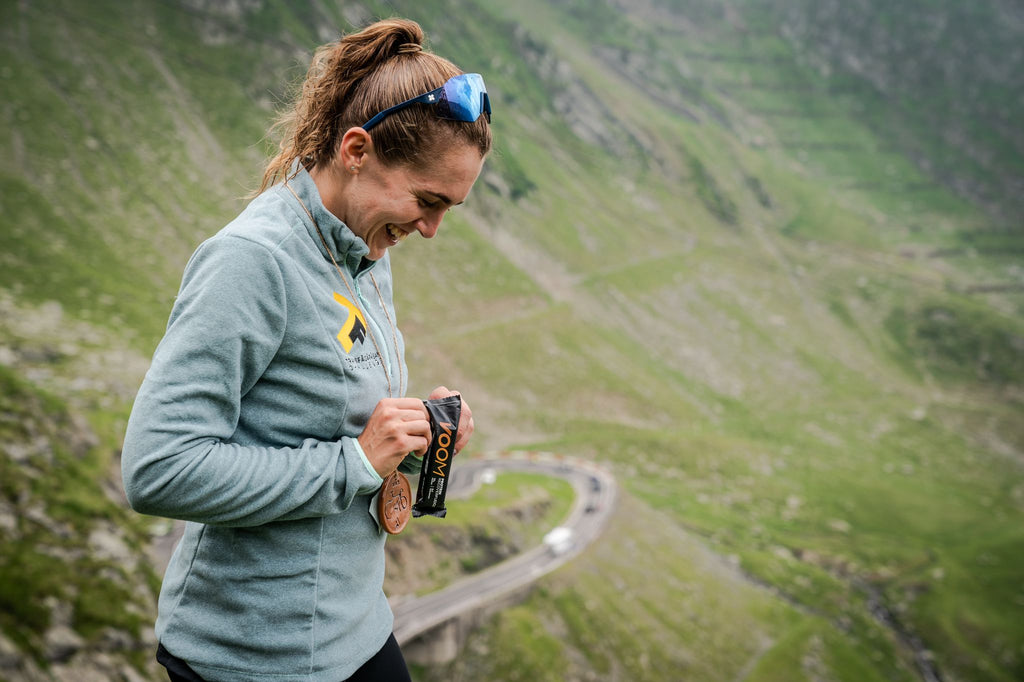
x: 462, y: 97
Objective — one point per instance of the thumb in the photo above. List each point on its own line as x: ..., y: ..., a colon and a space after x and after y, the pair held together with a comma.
x: 440, y: 392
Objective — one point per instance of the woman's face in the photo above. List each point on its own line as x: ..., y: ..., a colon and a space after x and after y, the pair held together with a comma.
x: 388, y: 203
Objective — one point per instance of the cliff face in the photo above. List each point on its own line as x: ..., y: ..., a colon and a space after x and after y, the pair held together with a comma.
x: 940, y: 81
x: 76, y: 585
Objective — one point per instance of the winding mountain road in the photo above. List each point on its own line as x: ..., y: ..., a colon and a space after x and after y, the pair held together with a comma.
x: 595, y: 498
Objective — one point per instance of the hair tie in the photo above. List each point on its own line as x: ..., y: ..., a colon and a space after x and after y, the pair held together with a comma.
x: 409, y: 48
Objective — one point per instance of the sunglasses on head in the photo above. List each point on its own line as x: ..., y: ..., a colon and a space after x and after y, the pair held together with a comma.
x: 462, y: 98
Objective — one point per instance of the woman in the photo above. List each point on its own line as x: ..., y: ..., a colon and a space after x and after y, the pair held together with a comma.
x: 274, y: 405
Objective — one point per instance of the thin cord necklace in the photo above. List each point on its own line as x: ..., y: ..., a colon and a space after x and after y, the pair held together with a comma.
x: 355, y: 301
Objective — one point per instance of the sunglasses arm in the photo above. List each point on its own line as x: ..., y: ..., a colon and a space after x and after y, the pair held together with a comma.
x: 425, y: 98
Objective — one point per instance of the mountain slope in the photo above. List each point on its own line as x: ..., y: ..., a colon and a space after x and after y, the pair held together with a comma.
x: 697, y: 255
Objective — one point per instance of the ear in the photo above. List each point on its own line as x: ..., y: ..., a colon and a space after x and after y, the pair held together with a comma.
x: 355, y: 146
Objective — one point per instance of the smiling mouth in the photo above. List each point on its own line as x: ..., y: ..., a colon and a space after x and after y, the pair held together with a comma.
x: 395, y: 234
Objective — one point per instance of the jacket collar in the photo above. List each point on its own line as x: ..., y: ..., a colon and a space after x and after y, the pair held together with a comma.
x: 349, y: 250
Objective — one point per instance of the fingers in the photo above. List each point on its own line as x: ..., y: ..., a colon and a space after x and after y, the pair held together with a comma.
x: 403, y: 406
x: 466, y: 427
x: 396, y: 427
x: 399, y: 426
x: 440, y: 392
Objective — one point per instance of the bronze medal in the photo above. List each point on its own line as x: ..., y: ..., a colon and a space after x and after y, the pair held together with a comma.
x: 395, y: 504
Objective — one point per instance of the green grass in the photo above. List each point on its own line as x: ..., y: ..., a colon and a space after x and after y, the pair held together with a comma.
x: 960, y: 340
x: 510, y: 488
x: 905, y: 510
x: 749, y: 296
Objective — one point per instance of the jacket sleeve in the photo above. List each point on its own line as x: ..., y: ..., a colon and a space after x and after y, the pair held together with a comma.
x: 177, y: 461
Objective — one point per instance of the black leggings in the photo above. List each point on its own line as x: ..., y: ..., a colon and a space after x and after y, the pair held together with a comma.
x: 387, y: 665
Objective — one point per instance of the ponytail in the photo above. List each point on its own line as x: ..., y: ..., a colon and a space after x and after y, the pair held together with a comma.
x: 350, y: 81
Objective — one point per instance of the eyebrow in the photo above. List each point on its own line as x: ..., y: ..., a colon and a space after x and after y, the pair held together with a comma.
x: 442, y: 197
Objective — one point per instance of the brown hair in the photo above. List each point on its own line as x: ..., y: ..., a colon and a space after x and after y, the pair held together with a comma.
x: 352, y: 80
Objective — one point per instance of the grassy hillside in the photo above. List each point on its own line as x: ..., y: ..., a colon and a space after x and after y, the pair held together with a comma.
x: 709, y: 250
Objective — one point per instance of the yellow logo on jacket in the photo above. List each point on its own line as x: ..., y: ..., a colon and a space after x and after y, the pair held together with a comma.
x: 354, y: 328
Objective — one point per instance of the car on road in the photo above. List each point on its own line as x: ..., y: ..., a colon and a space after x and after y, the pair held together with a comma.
x: 559, y: 539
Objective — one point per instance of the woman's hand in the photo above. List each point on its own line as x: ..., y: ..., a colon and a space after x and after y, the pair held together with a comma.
x: 397, y: 427
x: 465, y: 418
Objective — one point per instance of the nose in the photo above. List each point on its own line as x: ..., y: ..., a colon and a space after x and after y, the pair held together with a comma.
x: 430, y: 223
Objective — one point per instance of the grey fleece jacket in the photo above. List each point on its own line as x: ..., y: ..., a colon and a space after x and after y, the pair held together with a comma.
x: 245, y: 426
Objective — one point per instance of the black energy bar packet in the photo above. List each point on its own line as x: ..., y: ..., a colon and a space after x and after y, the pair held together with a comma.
x: 436, y: 468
